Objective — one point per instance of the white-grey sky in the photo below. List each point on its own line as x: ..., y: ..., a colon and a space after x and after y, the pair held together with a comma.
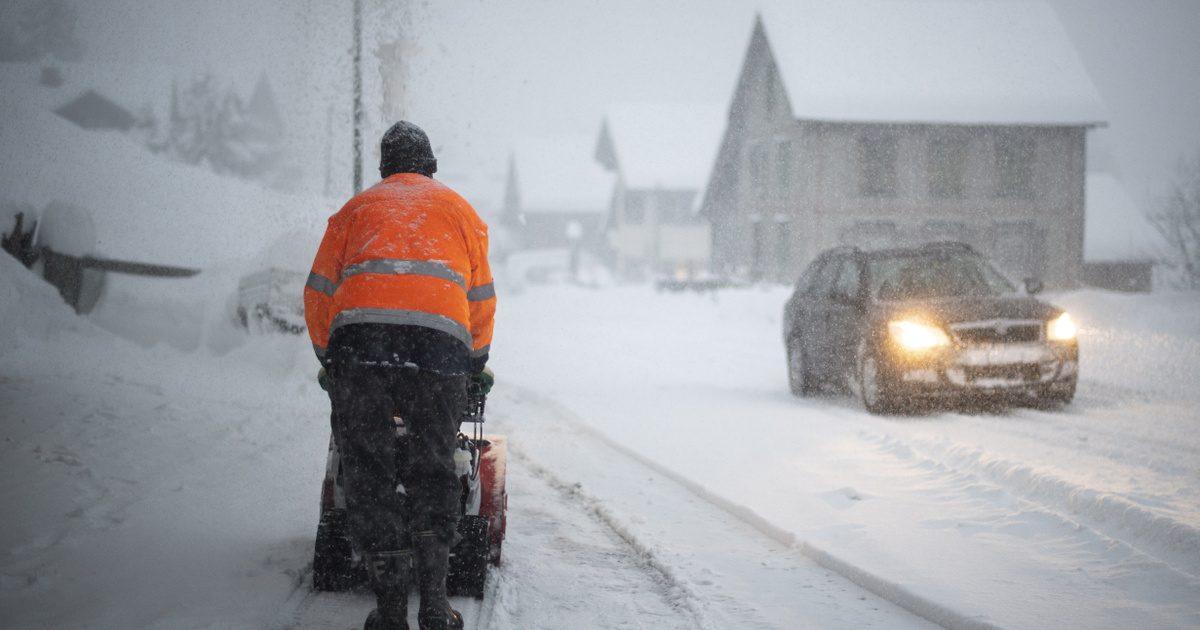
x: 482, y: 72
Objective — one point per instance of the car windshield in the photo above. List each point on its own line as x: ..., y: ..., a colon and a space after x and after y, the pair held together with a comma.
x: 924, y: 276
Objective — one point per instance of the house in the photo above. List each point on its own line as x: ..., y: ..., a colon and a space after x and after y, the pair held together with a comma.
x: 661, y: 155
x: 1120, y: 245
x: 91, y: 110
x: 874, y: 123
x: 555, y: 194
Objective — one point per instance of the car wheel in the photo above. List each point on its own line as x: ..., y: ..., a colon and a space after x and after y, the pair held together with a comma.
x: 875, y: 388
x: 800, y: 379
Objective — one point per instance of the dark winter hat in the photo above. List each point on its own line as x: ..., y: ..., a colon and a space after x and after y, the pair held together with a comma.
x: 405, y: 149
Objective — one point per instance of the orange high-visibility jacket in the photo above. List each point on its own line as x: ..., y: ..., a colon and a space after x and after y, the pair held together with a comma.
x: 407, y: 251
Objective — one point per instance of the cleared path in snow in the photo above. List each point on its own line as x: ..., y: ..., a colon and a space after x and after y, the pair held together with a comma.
x: 562, y: 568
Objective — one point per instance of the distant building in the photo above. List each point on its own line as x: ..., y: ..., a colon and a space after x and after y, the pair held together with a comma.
x: 92, y: 110
x: 875, y: 123
x: 1120, y: 246
x: 555, y: 194
x: 661, y: 155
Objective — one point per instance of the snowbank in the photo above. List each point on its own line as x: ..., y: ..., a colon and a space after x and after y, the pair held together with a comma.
x: 30, y: 309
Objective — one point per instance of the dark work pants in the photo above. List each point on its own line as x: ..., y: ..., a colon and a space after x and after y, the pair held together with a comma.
x: 395, y: 489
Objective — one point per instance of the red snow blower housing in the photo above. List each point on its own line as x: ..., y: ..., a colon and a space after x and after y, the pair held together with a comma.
x: 480, y: 464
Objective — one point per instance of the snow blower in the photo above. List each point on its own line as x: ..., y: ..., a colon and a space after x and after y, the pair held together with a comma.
x: 480, y: 464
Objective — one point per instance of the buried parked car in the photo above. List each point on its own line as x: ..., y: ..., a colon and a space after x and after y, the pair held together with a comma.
x: 901, y: 326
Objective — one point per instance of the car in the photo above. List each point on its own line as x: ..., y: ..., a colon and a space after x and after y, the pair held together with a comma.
x: 910, y: 325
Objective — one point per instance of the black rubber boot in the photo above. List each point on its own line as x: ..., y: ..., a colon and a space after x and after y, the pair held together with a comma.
x: 433, y: 562
x: 389, y: 573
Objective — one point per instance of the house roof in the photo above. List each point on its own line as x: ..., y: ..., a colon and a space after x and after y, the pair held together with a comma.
x: 92, y: 110
x: 558, y: 174
x: 1115, y: 228
x: 662, y: 145
x: 930, y: 61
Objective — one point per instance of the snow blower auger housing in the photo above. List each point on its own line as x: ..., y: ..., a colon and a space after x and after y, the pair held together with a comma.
x: 480, y: 464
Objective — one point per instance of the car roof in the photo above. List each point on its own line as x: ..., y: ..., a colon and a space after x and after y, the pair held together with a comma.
x: 938, y: 247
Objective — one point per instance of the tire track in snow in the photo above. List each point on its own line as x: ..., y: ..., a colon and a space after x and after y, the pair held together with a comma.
x: 1168, y: 541
x: 797, y: 559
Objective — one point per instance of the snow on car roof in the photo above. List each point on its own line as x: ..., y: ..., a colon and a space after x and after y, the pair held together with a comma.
x: 664, y: 145
x: 557, y: 174
x: 931, y: 61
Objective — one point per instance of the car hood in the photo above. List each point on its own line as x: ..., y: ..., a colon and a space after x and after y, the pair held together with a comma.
x: 970, y: 309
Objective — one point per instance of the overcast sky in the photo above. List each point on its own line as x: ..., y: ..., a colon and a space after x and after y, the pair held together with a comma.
x: 483, y: 72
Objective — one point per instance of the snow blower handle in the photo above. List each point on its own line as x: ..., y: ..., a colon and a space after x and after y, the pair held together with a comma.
x: 477, y: 390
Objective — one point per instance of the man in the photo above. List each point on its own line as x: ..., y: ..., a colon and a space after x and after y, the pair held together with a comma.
x: 400, y: 309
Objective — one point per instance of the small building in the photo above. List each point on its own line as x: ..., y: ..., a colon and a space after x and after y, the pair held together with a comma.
x: 555, y: 195
x: 92, y: 110
x: 661, y: 155
x: 874, y: 123
x: 1121, y: 247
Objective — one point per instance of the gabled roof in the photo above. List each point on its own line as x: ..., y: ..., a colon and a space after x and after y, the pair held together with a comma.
x: 661, y: 145
x: 558, y: 174
x: 929, y: 61
x: 1115, y: 228
x: 91, y: 110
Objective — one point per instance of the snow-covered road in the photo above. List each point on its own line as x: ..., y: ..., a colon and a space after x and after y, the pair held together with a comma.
x: 661, y: 475
x: 1084, y: 517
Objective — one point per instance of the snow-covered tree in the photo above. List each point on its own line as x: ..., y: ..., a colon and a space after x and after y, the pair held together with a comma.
x: 1178, y: 220
x: 208, y: 124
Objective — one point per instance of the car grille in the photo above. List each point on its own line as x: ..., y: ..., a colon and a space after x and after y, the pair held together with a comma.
x: 1018, y: 372
x: 998, y: 331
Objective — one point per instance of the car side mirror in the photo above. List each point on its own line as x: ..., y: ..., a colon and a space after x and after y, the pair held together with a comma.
x: 1033, y: 286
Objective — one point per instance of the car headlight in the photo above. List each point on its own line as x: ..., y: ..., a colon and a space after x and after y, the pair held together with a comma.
x: 916, y: 336
x: 1061, y: 328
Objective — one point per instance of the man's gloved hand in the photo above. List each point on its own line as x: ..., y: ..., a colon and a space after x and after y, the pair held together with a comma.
x: 323, y: 379
x: 484, y: 380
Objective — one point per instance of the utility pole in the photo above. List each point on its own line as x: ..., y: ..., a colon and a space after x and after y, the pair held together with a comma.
x: 358, y: 98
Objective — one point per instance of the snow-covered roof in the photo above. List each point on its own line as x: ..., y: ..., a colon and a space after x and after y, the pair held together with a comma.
x: 1115, y: 228
x: 558, y: 174
x: 663, y: 145
x: 927, y: 61
x: 144, y: 206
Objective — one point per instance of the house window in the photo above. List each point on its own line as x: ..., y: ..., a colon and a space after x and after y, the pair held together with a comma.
x: 1014, y: 166
x: 758, y: 172
x: 1019, y: 249
x: 877, y: 153
x: 783, y: 170
x: 947, y: 166
x: 871, y: 234
x: 932, y: 231
x: 783, y: 248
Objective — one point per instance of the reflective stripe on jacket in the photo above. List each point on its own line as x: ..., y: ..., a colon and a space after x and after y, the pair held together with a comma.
x: 407, y: 251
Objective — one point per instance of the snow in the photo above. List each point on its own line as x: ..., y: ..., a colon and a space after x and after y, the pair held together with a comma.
x: 557, y: 174
x: 143, y: 207
x: 934, y: 61
x: 670, y: 146
x: 161, y: 467
x: 653, y: 479
x: 1116, y: 228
